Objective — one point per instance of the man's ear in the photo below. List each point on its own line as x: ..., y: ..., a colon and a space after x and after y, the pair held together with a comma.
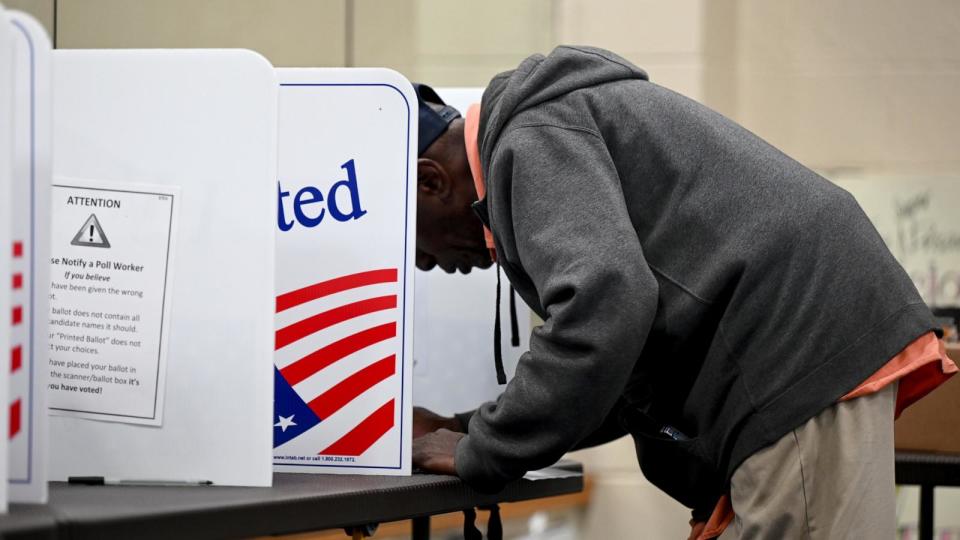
x: 433, y: 180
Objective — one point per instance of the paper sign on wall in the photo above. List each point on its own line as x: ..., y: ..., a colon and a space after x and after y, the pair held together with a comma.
x: 110, y: 288
x: 345, y: 240
x: 30, y: 212
x: 913, y: 215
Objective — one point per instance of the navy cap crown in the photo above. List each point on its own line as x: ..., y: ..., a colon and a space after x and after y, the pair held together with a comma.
x: 433, y: 122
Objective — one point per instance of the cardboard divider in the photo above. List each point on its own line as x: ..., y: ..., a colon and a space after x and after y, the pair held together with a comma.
x: 346, y: 226
x: 163, y: 308
x: 30, y: 213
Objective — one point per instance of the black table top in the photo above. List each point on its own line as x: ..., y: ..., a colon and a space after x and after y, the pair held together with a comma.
x: 928, y: 469
x: 303, y: 502
x: 295, y: 503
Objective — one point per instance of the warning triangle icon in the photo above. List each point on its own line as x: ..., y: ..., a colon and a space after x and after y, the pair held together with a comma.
x: 91, y: 234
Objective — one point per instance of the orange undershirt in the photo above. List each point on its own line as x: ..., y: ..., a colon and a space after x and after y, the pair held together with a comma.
x: 471, y: 129
x: 922, y: 366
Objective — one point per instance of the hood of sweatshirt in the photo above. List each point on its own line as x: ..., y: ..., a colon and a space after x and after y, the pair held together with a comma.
x: 537, y: 80
x: 542, y: 78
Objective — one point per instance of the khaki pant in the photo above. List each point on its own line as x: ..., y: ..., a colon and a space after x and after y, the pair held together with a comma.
x: 831, y: 478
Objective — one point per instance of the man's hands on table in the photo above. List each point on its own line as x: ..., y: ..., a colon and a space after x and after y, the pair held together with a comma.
x: 435, y: 440
x: 426, y: 421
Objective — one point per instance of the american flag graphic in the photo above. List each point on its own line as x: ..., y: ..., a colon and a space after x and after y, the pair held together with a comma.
x: 17, y: 339
x: 335, y: 361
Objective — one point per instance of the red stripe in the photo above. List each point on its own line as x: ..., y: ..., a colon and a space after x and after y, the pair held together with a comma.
x: 364, y: 435
x: 18, y: 249
x: 348, y: 389
x: 17, y: 281
x: 324, y: 288
x: 17, y: 315
x: 304, y: 328
x: 319, y: 359
x: 14, y: 418
x: 16, y: 358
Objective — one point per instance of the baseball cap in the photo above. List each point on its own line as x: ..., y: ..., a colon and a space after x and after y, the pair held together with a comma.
x: 433, y: 123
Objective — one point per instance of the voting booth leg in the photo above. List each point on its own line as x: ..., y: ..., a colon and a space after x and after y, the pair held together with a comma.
x: 362, y: 531
x: 421, y: 528
x: 926, y: 512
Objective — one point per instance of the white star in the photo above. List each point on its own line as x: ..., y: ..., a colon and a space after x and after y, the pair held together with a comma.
x: 284, y: 422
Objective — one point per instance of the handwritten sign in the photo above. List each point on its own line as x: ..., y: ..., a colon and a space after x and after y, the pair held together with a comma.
x: 918, y: 219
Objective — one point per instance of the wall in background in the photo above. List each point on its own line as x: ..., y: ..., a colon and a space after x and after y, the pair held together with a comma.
x: 851, y: 85
x: 840, y: 86
x: 664, y: 38
x: 42, y: 10
x: 287, y: 32
x: 855, y: 86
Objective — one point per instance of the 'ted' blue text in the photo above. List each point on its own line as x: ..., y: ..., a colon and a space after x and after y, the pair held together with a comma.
x: 307, y: 204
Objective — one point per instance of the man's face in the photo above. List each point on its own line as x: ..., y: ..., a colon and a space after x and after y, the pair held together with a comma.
x: 449, y: 236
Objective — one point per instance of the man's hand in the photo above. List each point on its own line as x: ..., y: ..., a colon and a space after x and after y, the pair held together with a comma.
x: 426, y: 421
x: 434, y: 451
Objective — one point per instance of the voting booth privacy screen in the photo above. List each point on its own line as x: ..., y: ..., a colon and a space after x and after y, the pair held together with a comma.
x: 345, y: 231
x: 212, y: 276
x: 30, y: 216
x: 6, y: 242
x: 162, y: 265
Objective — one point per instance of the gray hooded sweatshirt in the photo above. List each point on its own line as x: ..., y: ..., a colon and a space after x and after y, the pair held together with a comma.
x: 689, y: 275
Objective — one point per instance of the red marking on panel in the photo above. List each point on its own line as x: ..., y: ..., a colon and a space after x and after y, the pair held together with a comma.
x: 325, y: 288
x: 304, y: 328
x: 362, y: 437
x: 16, y: 358
x: 321, y: 358
x: 17, y: 281
x: 348, y: 389
x: 14, y: 418
x: 17, y: 315
x: 18, y: 249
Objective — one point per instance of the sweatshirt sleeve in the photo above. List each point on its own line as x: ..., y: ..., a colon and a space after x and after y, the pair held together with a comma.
x: 609, y: 430
x: 564, y: 211
x: 464, y: 419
